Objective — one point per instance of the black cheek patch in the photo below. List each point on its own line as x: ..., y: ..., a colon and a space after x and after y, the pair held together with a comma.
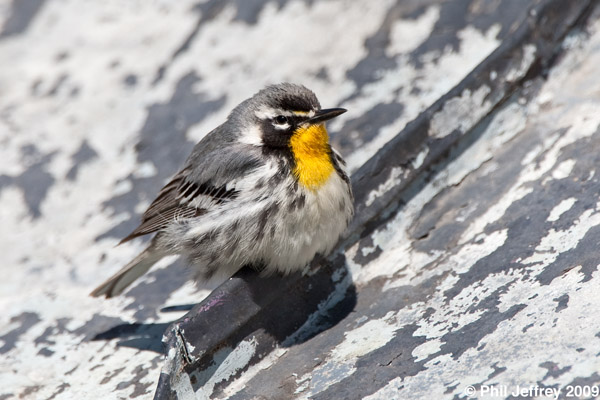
x: 273, y: 137
x: 277, y: 143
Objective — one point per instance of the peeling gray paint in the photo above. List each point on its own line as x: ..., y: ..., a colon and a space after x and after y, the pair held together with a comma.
x: 22, y: 13
x: 35, y: 181
x: 24, y: 322
x: 82, y: 156
x: 471, y: 288
x: 474, y: 248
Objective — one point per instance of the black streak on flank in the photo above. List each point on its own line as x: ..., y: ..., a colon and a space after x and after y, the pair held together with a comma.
x: 22, y: 12
x: 278, y: 177
x: 263, y: 218
x: 297, y: 203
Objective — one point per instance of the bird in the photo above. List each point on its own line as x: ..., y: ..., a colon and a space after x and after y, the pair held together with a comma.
x: 265, y: 189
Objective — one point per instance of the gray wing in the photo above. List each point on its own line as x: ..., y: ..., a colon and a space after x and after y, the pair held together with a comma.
x: 210, y: 173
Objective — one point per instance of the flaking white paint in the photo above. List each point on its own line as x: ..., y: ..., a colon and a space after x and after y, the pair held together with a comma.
x: 563, y: 170
x: 529, y: 51
x: 460, y: 113
x: 235, y: 360
x: 406, y: 34
x: 396, y: 175
x: 439, y: 72
x: 340, y: 363
x: 561, y: 208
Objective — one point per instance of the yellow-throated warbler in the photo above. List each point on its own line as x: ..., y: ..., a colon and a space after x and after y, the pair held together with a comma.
x: 264, y: 189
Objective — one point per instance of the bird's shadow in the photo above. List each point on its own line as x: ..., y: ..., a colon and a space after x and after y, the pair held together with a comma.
x: 137, y: 335
x: 277, y: 297
x: 142, y: 336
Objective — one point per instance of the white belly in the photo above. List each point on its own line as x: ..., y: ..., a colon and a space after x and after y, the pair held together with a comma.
x: 270, y: 228
x: 314, y: 228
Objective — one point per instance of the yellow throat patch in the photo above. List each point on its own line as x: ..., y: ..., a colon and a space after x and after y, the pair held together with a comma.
x: 310, y: 146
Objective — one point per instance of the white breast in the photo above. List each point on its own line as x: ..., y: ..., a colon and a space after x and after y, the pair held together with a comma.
x: 280, y: 227
x: 313, y: 228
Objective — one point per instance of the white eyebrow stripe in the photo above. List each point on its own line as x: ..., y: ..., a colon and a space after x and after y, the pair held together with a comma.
x: 309, y: 114
x: 265, y: 113
x: 269, y: 113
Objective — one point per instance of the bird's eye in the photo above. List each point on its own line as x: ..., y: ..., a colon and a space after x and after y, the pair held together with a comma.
x: 281, y: 119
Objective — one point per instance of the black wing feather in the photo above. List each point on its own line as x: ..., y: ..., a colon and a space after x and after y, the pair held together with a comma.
x: 211, y: 166
x: 172, y: 204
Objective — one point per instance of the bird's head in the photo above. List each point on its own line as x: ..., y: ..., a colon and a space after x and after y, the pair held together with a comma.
x: 278, y: 114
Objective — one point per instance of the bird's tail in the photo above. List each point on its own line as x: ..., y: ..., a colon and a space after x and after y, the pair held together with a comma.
x: 129, y: 273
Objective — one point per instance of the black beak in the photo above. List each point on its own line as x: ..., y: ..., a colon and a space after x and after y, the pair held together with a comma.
x: 325, y: 115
